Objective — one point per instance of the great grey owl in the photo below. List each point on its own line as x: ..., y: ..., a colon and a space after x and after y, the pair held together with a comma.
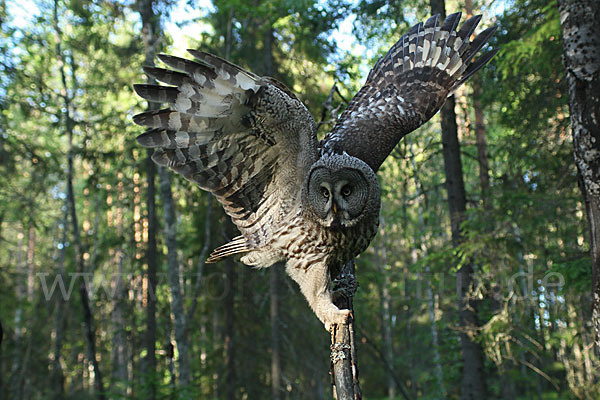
x: 252, y: 143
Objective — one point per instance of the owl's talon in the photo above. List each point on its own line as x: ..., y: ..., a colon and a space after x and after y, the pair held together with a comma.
x: 338, y: 317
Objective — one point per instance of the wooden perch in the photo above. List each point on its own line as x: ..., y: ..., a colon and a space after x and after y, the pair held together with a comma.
x: 344, y: 365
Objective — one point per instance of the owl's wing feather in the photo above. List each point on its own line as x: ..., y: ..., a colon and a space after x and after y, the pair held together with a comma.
x: 234, y: 134
x: 407, y: 87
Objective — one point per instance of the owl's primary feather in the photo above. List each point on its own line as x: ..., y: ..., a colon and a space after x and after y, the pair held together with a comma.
x: 407, y: 87
x: 228, y: 130
x: 251, y: 143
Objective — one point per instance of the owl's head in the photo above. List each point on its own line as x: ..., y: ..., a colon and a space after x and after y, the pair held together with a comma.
x: 340, y: 191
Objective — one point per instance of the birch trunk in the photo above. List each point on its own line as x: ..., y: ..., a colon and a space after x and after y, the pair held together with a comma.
x: 580, y: 23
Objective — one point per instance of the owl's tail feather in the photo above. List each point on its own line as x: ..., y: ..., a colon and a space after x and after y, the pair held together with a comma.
x: 237, y: 245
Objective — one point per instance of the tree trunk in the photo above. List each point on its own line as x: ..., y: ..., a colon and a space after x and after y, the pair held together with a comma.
x: 229, y: 299
x: 216, y: 347
x: 201, y: 261
x: 480, y: 134
x: 57, y: 378
x: 68, y: 124
x: 2, y: 390
x: 580, y: 22
x: 30, y: 264
x: 173, y: 275
x: 230, y: 378
x: 119, y: 376
x: 90, y: 332
x: 275, y: 332
x: 439, y: 374
x: 150, y: 33
x: 149, y: 367
x: 16, y: 378
x: 581, y: 386
x: 473, y: 385
x: 385, y: 305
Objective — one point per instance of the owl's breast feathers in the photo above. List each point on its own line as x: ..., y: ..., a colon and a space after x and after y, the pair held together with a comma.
x: 309, y: 242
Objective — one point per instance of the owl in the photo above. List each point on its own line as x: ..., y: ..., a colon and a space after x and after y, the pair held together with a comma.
x: 251, y: 142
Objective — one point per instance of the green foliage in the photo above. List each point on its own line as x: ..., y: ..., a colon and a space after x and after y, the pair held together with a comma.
x: 528, y: 244
x: 528, y: 68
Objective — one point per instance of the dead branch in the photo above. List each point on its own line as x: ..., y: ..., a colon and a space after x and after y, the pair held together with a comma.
x: 344, y: 365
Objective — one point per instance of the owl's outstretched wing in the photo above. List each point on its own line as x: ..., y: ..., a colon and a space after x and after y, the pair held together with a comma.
x: 407, y: 86
x: 245, y: 139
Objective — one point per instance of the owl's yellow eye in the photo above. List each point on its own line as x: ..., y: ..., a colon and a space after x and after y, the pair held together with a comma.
x: 346, y: 191
x: 325, y: 192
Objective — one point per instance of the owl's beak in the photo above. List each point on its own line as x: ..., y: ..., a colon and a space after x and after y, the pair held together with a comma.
x: 335, y: 208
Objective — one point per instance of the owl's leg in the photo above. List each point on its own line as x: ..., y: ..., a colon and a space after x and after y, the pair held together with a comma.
x: 315, y: 285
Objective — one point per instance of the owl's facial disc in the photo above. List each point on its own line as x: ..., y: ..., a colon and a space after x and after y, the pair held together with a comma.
x: 337, y: 197
x: 320, y: 194
x: 351, y: 193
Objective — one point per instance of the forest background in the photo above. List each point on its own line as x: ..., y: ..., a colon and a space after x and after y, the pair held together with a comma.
x: 103, y: 288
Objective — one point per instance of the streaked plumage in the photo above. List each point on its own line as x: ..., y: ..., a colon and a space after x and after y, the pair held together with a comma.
x: 251, y: 143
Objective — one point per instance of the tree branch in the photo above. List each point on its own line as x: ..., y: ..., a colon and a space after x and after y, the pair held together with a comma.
x: 328, y: 107
x: 344, y: 365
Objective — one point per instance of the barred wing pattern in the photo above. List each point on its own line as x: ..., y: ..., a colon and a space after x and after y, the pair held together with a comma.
x: 407, y: 87
x: 236, y: 135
